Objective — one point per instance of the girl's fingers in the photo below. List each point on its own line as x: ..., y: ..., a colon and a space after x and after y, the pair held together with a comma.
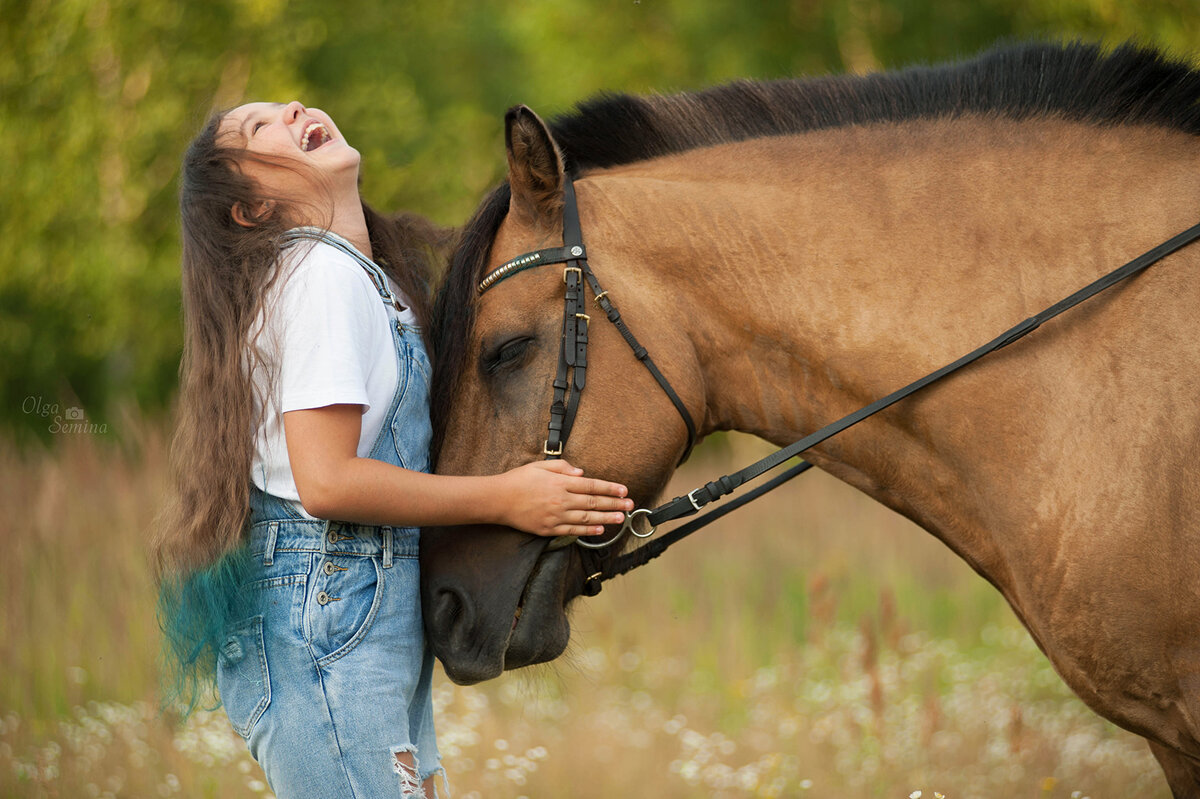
x: 593, y: 502
x: 582, y: 485
x: 590, y: 485
x: 585, y: 523
x: 577, y: 529
x: 560, y: 466
x: 591, y: 518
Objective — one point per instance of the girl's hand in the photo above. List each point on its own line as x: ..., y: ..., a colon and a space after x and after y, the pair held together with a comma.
x: 553, y: 498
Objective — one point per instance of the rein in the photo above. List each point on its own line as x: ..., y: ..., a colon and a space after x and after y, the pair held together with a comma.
x: 573, y: 355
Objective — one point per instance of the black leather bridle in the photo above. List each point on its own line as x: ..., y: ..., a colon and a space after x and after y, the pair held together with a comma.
x: 572, y: 369
x: 571, y: 375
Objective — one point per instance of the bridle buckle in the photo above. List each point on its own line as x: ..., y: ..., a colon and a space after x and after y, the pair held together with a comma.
x: 553, y: 453
x: 577, y: 270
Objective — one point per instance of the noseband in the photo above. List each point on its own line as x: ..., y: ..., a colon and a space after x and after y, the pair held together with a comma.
x: 571, y: 376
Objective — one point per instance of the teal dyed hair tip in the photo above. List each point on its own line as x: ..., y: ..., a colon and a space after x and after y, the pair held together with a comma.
x: 194, y: 612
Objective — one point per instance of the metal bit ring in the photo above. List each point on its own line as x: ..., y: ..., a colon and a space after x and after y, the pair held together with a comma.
x: 626, y: 527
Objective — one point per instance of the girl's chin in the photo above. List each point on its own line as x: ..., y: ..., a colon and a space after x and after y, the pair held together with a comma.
x: 338, y: 153
x: 336, y: 161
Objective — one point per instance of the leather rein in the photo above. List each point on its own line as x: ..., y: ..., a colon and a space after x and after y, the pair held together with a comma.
x: 570, y: 380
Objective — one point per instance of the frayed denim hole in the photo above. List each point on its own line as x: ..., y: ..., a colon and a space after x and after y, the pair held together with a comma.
x: 410, y: 775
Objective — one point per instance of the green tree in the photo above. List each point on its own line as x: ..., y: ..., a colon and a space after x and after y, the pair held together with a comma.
x: 98, y: 100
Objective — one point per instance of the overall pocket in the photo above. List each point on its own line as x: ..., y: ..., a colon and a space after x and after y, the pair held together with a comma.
x: 242, y: 675
x: 342, y: 604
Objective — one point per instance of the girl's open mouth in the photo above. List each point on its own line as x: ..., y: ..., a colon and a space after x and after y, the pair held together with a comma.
x: 314, y: 136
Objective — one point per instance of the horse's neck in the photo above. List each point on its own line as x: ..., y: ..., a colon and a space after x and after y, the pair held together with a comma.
x: 817, y: 273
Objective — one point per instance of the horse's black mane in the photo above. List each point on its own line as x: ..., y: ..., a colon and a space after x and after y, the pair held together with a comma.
x: 1126, y: 86
x: 1129, y: 85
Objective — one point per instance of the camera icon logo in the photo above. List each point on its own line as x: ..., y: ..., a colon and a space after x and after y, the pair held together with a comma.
x: 74, y: 414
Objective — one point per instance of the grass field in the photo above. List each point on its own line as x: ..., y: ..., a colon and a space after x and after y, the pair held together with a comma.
x: 814, y: 645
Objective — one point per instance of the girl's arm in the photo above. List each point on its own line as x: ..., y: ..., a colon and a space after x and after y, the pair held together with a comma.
x: 544, y: 497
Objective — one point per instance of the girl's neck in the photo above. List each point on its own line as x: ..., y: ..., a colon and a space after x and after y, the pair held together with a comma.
x: 350, y: 223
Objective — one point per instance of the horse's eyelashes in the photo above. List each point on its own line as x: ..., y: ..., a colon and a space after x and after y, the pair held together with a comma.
x: 508, y: 355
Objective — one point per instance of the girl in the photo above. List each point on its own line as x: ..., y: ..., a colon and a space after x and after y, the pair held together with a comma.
x: 287, y: 555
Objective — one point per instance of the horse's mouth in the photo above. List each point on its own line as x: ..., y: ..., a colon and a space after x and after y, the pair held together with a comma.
x: 540, y: 629
x: 481, y: 623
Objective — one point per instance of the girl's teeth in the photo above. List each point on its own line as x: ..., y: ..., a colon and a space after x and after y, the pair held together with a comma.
x: 304, y: 140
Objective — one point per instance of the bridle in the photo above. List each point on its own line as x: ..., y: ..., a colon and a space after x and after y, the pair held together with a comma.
x: 570, y: 378
x: 571, y: 375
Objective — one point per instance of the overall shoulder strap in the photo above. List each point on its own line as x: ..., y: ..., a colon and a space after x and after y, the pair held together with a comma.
x: 332, y: 239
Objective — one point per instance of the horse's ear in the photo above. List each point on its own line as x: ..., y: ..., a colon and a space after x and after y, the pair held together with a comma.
x: 535, y: 168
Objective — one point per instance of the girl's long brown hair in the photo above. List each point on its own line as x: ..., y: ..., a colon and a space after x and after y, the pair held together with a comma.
x: 226, y: 270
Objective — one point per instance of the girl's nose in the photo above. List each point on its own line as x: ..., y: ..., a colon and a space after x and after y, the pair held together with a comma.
x: 292, y: 111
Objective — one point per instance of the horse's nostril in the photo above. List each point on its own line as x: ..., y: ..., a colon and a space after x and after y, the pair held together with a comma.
x: 451, y: 611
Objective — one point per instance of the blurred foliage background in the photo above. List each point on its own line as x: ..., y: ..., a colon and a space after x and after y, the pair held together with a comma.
x: 98, y: 100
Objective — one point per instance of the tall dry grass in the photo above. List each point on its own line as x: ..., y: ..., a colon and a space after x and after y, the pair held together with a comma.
x: 811, y: 645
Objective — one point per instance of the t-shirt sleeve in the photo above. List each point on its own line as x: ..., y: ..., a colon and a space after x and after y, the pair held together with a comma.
x: 323, y: 322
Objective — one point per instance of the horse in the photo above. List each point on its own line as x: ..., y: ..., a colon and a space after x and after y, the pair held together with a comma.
x: 788, y: 251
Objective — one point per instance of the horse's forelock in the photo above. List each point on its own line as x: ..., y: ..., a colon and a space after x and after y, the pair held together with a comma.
x: 454, y: 308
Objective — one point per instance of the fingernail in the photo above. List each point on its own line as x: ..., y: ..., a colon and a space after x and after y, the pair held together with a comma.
x: 597, y: 530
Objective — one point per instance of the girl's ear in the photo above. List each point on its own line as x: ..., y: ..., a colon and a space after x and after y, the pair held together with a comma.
x: 246, y: 218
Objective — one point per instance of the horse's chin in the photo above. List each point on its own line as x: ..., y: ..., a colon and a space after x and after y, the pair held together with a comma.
x: 539, y: 632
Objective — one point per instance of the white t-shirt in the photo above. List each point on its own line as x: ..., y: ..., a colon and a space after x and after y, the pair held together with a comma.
x: 328, y: 336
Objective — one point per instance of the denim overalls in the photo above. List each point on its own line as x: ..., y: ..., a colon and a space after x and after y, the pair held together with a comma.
x: 332, y: 677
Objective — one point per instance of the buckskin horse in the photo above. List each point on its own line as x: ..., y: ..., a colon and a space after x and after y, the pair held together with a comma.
x: 789, y: 251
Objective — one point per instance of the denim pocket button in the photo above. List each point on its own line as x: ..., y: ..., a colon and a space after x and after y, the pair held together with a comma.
x: 323, y: 598
x: 329, y: 567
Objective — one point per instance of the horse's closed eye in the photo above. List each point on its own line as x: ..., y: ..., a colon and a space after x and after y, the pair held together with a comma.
x: 508, y: 355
